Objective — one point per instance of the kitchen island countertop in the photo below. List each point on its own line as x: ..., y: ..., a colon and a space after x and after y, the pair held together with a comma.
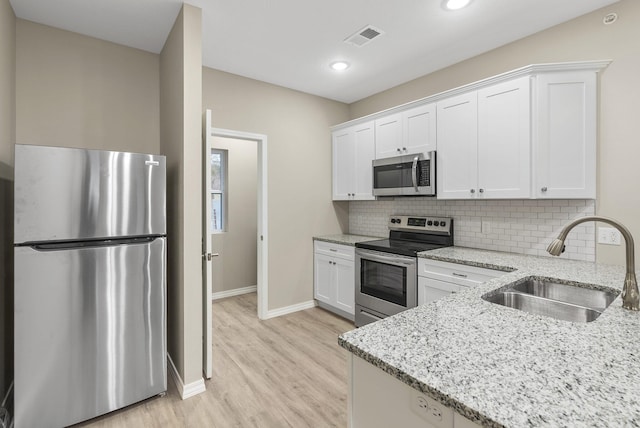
x: 503, y: 367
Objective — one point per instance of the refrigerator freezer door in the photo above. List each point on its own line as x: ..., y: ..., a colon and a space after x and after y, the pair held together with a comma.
x: 77, y: 194
x: 90, y: 329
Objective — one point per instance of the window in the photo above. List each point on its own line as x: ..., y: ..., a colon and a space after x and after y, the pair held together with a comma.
x: 218, y: 190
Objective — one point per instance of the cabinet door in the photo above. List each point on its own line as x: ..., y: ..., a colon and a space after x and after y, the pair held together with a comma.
x: 504, y: 142
x: 343, y: 161
x: 457, y: 156
x: 345, y: 285
x: 323, y: 280
x: 430, y: 290
x: 419, y: 129
x: 364, y: 143
x: 565, y: 146
x: 389, y: 136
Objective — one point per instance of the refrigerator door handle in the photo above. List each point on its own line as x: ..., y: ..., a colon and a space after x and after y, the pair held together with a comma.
x: 71, y: 245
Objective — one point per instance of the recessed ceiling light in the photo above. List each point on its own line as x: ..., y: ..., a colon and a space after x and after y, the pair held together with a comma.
x: 339, y: 65
x: 455, y: 4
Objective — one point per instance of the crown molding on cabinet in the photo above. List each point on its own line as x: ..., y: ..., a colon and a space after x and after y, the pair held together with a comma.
x: 594, y: 65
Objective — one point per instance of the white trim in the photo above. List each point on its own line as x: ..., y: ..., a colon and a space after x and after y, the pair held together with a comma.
x: 188, y: 390
x: 290, y: 309
x: 594, y: 65
x: 263, y: 233
x: 235, y: 292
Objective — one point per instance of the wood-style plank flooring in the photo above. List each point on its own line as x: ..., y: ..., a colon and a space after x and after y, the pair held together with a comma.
x: 283, y: 372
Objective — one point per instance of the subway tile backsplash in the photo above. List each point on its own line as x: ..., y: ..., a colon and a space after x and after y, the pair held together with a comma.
x: 517, y: 226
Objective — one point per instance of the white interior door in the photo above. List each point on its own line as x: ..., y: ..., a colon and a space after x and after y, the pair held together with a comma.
x: 207, y: 255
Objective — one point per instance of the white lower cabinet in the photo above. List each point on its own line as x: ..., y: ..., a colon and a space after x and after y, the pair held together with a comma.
x: 438, y: 279
x: 378, y: 400
x: 334, y: 277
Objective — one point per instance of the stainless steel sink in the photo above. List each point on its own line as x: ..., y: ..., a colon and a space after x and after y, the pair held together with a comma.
x: 554, y: 299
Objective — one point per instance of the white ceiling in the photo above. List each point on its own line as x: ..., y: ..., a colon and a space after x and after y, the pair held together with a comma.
x: 292, y: 42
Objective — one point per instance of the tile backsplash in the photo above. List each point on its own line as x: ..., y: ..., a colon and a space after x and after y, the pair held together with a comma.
x: 517, y: 226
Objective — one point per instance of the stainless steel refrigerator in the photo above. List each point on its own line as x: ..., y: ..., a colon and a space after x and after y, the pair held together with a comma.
x: 90, y: 283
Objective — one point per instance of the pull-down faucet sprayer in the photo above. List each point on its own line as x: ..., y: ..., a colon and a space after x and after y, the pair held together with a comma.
x: 630, y: 299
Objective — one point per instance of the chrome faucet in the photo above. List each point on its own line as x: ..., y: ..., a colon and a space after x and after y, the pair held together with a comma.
x: 630, y: 299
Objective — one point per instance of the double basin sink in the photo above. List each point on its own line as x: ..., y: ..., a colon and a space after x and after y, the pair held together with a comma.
x: 554, y: 299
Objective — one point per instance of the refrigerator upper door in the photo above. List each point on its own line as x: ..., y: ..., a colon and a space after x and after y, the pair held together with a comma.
x: 77, y: 194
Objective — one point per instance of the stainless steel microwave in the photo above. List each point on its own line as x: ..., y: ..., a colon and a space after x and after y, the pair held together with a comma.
x: 408, y: 175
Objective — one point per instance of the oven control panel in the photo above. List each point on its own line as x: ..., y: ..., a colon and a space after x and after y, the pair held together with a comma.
x: 441, y: 225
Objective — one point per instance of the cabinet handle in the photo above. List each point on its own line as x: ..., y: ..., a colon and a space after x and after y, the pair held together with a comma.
x: 473, y: 190
x: 461, y: 275
x: 544, y: 189
x: 481, y: 190
x: 333, y: 249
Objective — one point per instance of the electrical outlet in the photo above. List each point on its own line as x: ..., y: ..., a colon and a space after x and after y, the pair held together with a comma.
x: 430, y: 410
x: 609, y: 236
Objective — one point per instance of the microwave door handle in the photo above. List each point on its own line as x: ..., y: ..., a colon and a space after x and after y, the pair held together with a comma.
x: 414, y: 173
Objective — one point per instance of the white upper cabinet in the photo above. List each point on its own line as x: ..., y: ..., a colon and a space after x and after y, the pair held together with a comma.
x: 504, y: 140
x: 484, y: 143
x: 565, y: 143
x: 408, y: 132
x: 389, y: 136
x: 527, y: 133
x: 457, y: 156
x: 353, y: 154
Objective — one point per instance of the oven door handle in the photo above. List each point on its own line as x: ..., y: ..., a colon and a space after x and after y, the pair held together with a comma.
x: 414, y: 172
x: 395, y: 259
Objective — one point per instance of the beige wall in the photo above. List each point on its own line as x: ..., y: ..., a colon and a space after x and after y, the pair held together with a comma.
x: 236, y: 266
x: 77, y: 91
x: 7, y: 138
x: 584, y: 38
x: 181, y: 142
x: 299, y: 170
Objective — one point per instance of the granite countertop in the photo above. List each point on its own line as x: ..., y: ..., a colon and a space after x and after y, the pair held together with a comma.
x: 345, y: 239
x: 503, y: 367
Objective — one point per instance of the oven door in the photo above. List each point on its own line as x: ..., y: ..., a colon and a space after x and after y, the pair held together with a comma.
x: 385, y: 282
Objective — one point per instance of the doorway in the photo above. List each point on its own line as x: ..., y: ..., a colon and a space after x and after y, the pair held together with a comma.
x: 234, y: 190
x: 261, y: 237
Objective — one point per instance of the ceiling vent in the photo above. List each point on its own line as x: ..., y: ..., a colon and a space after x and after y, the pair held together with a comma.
x: 364, y: 36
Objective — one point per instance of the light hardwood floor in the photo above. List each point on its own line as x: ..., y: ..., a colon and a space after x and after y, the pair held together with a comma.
x: 283, y: 372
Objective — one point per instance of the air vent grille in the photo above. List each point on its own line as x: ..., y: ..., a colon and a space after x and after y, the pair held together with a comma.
x: 364, y: 36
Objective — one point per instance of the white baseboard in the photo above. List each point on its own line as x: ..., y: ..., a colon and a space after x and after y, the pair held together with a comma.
x: 188, y: 390
x: 290, y: 309
x: 234, y: 292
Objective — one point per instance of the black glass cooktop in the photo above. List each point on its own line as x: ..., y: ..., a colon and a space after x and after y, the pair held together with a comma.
x: 399, y: 246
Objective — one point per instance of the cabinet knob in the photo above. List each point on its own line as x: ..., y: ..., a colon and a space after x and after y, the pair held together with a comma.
x: 481, y: 190
x: 404, y: 148
x: 544, y: 189
x: 472, y: 190
x: 398, y: 149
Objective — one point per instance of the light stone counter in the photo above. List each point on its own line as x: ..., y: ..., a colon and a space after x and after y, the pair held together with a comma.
x: 502, y: 367
x: 345, y: 239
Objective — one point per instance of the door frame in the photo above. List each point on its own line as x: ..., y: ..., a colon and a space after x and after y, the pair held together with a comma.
x: 262, y: 238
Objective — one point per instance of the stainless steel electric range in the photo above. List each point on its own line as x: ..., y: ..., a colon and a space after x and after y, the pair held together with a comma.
x: 386, y: 269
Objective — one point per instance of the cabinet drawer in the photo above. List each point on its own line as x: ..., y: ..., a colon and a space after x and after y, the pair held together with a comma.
x: 456, y: 273
x: 346, y: 252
